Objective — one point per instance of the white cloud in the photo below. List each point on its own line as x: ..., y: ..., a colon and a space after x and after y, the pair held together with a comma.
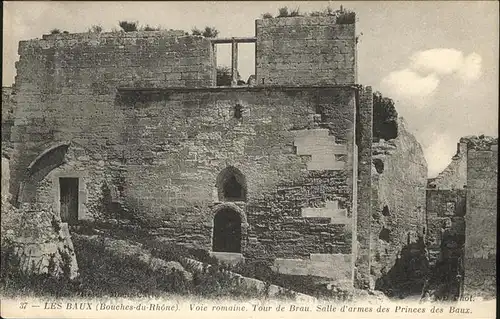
x: 409, y: 84
x: 440, y: 61
x: 438, y: 154
x: 427, y: 69
x: 471, y: 68
x: 446, y: 62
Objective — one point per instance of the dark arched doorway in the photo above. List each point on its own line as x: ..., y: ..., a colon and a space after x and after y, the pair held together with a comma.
x: 227, y: 231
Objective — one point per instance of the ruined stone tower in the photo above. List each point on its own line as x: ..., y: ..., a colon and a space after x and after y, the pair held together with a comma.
x: 133, y: 126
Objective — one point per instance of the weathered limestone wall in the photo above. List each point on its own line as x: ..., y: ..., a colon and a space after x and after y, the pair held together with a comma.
x: 5, y: 178
x: 454, y: 176
x: 481, y: 216
x: 445, y: 209
x: 364, y: 125
x: 293, y: 146
x: 39, y: 240
x: 294, y: 194
x: 305, y: 51
x: 67, y: 85
x: 153, y: 153
x: 8, y: 106
x: 399, y: 178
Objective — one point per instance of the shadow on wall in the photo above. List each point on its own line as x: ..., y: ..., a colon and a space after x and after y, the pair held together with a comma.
x: 407, y: 276
x: 412, y: 274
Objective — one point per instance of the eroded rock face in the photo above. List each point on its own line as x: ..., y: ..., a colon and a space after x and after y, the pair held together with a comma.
x: 399, y: 177
x: 40, y: 242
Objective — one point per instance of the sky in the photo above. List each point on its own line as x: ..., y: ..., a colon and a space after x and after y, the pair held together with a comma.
x: 437, y: 60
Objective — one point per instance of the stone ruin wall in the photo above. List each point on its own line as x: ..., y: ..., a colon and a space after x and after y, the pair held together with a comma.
x: 445, y: 203
x: 445, y: 210
x: 399, y: 177
x: 295, y: 209
x: 481, y: 216
x: 454, y: 176
x: 461, y: 212
x: 36, y: 241
x: 67, y: 84
x: 294, y: 146
x: 305, y: 51
x: 362, y: 237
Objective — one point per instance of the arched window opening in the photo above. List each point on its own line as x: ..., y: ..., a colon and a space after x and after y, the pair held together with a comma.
x: 231, y: 185
x: 385, y: 211
x: 227, y: 231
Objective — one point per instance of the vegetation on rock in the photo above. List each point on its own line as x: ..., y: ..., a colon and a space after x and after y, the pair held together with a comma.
x: 128, y: 26
x: 385, y: 118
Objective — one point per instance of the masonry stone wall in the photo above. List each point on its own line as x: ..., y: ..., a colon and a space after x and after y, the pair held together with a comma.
x: 39, y: 243
x: 399, y: 177
x: 481, y: 216
x: 454, y: 176
x: 8, y: 106
x: 445, y: 209
x: 136, y: 118
x: 67, y: 84
x: 305, y: 51
x: 158, y: 154
x: 364, y: 126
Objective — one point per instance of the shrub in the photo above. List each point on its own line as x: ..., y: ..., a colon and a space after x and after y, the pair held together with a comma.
x: 196, y: 31
x: 128, y: 26
x: 295, y: 13
x: 283, y: 12
x: 210, y: 32
x: 224, y: 76
x: 385, y: 118
x: 148, y: 28
x: 342, y: 16
x: 267, y: 15
x: 95, y: 29
x: 55, y: 31
x: 346, y: 17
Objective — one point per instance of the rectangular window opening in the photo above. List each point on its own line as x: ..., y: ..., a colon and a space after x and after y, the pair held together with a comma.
x: 223, y: 64
x: 68, y: 187
x: 237, y: 56
x: 246, y: 63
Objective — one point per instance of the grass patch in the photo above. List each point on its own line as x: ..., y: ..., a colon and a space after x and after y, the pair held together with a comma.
x: 103, y: 274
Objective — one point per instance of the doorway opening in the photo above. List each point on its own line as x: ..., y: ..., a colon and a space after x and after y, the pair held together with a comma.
x: 227, y: 231
x: 68, y: 187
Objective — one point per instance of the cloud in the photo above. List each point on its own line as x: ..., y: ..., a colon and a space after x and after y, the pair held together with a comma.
x: 446, y: 62
x: 409, y: 84
x: 425, y: 90
x: 438, y: 154
x: 471, y: 68
x: 440, y: 61
x: 426, y: 70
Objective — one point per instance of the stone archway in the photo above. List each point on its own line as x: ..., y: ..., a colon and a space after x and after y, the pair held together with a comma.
x: 227, y: 231
x: 231, y: 185
x: 39, y: 168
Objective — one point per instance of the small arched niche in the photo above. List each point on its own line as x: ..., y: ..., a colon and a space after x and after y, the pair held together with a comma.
x: 231, y: 185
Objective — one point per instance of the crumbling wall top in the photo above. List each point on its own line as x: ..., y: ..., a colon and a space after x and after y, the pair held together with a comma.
x: 480, y: 143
